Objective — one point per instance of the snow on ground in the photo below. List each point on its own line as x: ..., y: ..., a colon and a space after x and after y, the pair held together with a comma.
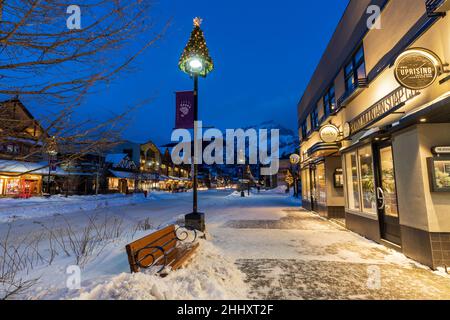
x: 262, y: 247
x: 107, y: 278
x: 36, y: 207
x: 210, y: 276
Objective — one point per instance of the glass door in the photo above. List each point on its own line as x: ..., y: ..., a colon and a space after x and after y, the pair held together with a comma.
x: 313, y: 188
x: 386, y: 193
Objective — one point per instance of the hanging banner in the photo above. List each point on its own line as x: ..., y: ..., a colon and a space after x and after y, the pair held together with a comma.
x: 184, y: 113
x: 52, y: 163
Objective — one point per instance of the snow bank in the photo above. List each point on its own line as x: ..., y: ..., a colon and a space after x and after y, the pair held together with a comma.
x: 209, y: 275
x: 237, y: 194
x: 277, y: 190
x: 18, y: 209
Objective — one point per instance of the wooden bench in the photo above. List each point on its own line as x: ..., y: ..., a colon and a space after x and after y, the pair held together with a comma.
x: 169, y: 247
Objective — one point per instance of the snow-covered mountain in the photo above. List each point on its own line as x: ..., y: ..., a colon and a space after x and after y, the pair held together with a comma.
x: 289, y: 141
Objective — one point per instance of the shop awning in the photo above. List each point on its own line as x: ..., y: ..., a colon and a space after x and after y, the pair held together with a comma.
x: 437, y: 111
x: 322, y: 149
x: 149, y: 176
x: 123, y: 174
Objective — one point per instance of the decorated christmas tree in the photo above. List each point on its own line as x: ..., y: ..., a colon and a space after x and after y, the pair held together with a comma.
x: 196, y: 49
x: 289, y: 179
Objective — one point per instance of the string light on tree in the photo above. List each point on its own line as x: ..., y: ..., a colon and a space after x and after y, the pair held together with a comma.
x: 289, y: 179
x: 195, y: 58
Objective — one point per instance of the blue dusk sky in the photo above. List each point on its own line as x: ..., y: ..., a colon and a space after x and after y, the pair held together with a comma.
x: 264, y: 53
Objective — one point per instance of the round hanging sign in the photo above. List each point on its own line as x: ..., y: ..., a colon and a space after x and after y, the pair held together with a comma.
x: 294, y: 159
x: 347, y: 130
x: 329, y: 133
x: 417, y: 69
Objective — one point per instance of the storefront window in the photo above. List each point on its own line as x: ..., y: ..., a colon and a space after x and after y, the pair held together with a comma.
x: 439, y: 171
x: 367, y: 179
x: 321, y: 184
x: 388, y: 181
x: 359, y: 171
x: 306, y: 185
x: 29, y: 187
x: 442, y: 173
x: 113, y: 184
x: 351, y: 166
x: 12, y: 187
x: 17, y: 187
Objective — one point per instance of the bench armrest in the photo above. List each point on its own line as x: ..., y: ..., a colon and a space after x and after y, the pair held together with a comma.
x: 183, y: 235
x: 154, y: 260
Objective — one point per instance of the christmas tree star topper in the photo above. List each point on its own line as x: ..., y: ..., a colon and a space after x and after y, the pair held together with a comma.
x: 197, y: 22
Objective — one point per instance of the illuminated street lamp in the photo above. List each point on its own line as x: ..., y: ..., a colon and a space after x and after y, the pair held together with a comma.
x: 195, y: 61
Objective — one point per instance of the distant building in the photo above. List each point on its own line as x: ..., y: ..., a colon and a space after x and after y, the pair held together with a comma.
x: 123, y: 173
x: 132, y: 149
x: 84, y: 174
x: 285, y: 166
x: 21, y: 159
x: 150, y: 158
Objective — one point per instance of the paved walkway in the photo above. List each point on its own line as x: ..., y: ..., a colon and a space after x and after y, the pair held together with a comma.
x: 302, y: 256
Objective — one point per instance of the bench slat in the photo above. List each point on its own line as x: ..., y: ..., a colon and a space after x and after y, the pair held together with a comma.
x: 180, y: 256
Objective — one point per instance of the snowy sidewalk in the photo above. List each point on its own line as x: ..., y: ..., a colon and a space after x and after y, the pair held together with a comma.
x: 302, y: 256
x: 261, y: 247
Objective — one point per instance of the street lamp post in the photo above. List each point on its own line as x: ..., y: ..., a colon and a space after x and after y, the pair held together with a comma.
x: 295, y: 160
x: 242, y: 183
x: 196, y: 62
x: 195, y: 199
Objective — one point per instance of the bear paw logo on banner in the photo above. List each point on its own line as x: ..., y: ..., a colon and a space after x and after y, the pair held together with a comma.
x: 185, y: 107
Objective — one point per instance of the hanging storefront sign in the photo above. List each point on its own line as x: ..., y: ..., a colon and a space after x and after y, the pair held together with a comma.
x: 329, y: 133
x: 441, y: 150
x: 346, y: 130
x: 417, y: 69
x: 294, y: 159
x: 382, y: 108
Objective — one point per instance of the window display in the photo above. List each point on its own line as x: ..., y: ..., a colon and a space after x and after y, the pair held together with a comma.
x: 306, y: 185
x: 439, y: 171
x: 351, y: 167
x: 338, y: 178
x: 388, y: 185
x: 367, y: 179
x: 113, y: 184
x: 321, y: 184
x: 359, y: 171
x: 12, y: 187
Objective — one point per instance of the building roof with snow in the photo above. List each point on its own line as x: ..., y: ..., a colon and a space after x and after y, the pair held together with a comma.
x: 22, y: 167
